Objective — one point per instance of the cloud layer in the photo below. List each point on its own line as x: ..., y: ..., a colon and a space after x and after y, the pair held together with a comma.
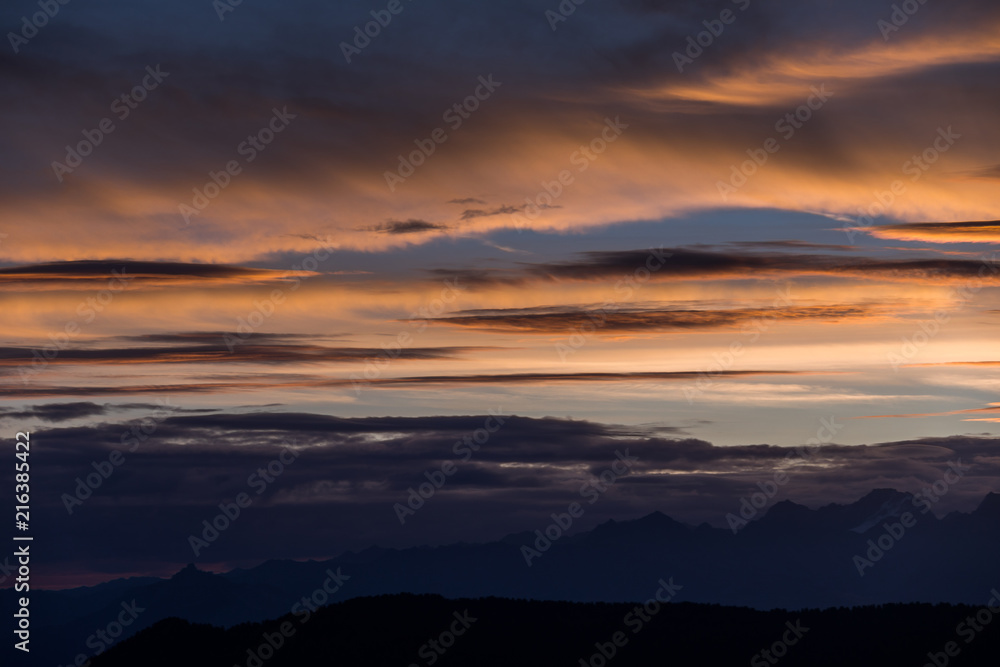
x: 349, y: 474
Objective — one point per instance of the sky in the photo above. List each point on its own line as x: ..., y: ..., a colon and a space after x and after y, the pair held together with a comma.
x: 709, y: 232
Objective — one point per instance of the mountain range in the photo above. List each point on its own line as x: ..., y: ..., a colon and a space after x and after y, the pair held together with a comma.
x: 405, y: 629
x: 880, y: 549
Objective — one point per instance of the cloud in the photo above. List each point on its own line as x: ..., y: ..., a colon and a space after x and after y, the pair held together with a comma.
x: 688, y: 264
x: 350, y: 471
x: 544, y: 378
x: 993, y: 407
x: 958, y: 363
x: 473, y: 213
x: 61, y: 412
x: 793, y: 245
x: 686, y: 129
x: 213, y: 337
x: 991, y: 172
x: 545, y: 320
x: 941, y: 232
x: 407, y: 227
x: 56, y: 412
x: 504, y: 248
x: 229, y: 349
x: 228, y: 384
x: 85, y: 274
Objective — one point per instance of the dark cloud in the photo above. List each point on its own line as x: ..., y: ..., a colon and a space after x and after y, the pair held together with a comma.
x: 56, y: 412
x: 213, y: 337
x: 472, y: 213
x: 594, y: 318
x: 350, y: 113
x: 225, y: 350
x: 350, y: 472
x: 993, y: 171
x: 230, y: 383
x: 408, y: 227
x: 536, y: 378
x: 88, y: 271
x: 793, y: 245
x: 60, y: 412
x: 688, y: 264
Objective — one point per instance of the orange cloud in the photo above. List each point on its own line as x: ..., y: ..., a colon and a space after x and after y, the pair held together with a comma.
x: 994, y: 407
x: 786, y: 77
x: 941, y: 232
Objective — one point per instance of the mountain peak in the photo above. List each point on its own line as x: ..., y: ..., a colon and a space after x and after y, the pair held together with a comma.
x: 990, y: 505
x: 653, y: 526
x: 783, y: 516
x: 785, y: 508
x: 656, y: 518
x: 190, y: 573
x: 879, y: 496
x: 877, y: 506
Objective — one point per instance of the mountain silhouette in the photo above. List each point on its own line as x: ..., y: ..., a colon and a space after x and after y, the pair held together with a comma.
x: 414, y: 630
x: 788, y: 557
